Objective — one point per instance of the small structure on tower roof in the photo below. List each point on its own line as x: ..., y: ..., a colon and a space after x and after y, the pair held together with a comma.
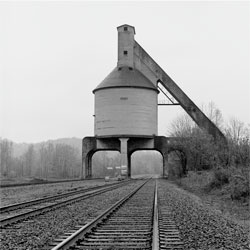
x: 126, y: 113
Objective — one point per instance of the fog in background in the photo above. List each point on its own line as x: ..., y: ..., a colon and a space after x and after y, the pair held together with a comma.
x: 53, y: 54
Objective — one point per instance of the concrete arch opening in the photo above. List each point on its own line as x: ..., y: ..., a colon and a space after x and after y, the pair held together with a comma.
x: 177, y: 163
x: 126, y: 108
x: 146, y: 163
x: 105, y: 163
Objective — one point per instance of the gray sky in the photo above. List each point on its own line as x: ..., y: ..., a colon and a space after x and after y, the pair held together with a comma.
x: 53, y: 54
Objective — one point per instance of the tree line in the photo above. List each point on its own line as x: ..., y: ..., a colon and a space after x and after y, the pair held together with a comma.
x: 47, y: 160
x: 60, y: 160
x: 50, y: 160
x: 203, y: 151
x: 230, y: 162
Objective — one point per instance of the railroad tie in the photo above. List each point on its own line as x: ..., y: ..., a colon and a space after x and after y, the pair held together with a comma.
x: 169, y: 236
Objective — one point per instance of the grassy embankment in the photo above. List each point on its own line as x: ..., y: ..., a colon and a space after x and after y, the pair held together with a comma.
x: 224, y: 195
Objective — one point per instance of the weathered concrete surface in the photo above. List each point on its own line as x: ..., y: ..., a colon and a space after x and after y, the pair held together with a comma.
x: 144, y: 63
x: 126, y: 109
x: 162, y: 144
x: 139, y: 59
x: 90, y: 145
x: 133, y: 59
x: 125, y: 45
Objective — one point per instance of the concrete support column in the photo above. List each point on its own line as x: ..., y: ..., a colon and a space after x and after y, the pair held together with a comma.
x: 124, y: 154
x: 86, y: 166
x: 84, y: 170
x: 89, y: 167
x: 88, y: 148
x: 129, y: 165
x: 165, y: 164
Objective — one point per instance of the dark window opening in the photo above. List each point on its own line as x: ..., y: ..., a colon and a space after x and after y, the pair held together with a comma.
x: 123, y: 98
x: 125, y: 28
x: 125, y: 52
x: 130, y: 68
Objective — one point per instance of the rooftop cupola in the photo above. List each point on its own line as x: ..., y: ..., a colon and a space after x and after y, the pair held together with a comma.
x: 126, y: 45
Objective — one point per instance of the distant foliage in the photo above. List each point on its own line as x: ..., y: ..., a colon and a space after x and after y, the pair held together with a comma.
x: 236, y: 179
x: 59, y: 161
x: 174, y: 168
x: 105, y: 163
x: 147, y: 162
x: 220, y: 177
x: 6, y: 157
x: 230, y: 163
x: 214, y: 114
x: 46, y: 160
x: 239, y: 185
x: 199, y: 146
x: 238, y: 136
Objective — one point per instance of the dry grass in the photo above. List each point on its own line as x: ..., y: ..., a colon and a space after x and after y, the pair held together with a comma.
x: 219, y: 198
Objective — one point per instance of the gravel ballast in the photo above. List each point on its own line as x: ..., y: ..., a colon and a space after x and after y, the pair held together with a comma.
x: 38, y: 232
x: 201, y: 227
x: 12, y: 195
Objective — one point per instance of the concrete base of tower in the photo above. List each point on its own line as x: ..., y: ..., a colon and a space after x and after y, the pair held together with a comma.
x: 126, y: 146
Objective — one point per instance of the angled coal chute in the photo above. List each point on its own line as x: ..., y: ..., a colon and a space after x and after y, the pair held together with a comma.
x: 187, y: 104
x: 126, y: 109
x: 132, y: 54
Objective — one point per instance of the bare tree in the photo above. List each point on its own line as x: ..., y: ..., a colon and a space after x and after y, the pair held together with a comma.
x: 43, y: 161
x: 214, y: 114
x: 100, y: 162
x: 5, y: 157
x: 198, y: 146
x: 236, y: 130
x: 65, y: 161
x: 182, y: 126
x: 29, y: 160
x: 239, y: 142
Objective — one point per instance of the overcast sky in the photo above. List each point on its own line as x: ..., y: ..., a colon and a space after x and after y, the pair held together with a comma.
x: 53, y: 54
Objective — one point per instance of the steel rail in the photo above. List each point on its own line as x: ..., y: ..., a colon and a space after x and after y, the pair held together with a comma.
x: 72, y: 239
x: 45, y: 182
x: 20, y: 205
x: 22, y: 216
x: 155, y: 242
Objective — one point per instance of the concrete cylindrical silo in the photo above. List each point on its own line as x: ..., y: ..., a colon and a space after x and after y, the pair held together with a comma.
x: 125, y: 105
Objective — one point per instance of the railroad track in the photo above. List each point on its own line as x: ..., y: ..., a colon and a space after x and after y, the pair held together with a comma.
x: 21, y: 211
x: 134, y: 222
x: 42, y: 182
x: 20, y: 205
